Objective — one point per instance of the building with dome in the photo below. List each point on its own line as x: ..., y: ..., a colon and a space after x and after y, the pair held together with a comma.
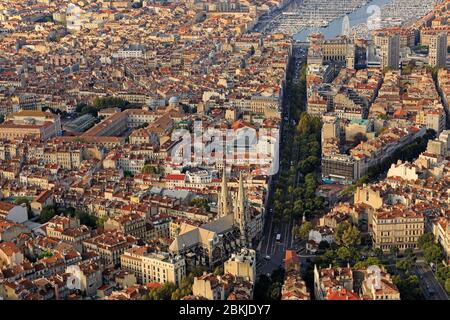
x: 174, y: 103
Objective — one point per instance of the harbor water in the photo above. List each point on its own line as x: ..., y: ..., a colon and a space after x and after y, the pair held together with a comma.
x: 334, y: 29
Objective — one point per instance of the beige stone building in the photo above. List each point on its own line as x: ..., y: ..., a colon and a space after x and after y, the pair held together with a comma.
x: 110, y: 246
x: 338, y: 49
x: 373, y: 283
x: 370, y: 195
x: 442, y: 234
x: 150, y: 266
x: 294, y: 287
x: 68, y: 230
x: 242, y: 264
x: 42, y: 125
x: 10, y: 254
x: 330, y: 128
x: 65, y: 157
x: 44, y: 199
x: 208, y: 286
x: 129, y: 224
x: 396, y: 226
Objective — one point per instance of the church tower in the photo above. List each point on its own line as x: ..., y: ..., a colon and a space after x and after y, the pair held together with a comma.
x: 241, y: 214
x: 224, y: 208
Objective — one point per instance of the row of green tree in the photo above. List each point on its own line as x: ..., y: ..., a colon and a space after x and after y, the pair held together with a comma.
x: 294, y: 194
x: 100, y: 103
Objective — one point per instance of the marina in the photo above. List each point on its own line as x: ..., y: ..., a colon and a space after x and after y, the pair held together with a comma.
x: 358, y: 21
x: 299, y: 18
x: 302, y: 14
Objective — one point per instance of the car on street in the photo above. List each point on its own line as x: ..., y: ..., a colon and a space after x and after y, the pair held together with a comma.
x: 267, y: 257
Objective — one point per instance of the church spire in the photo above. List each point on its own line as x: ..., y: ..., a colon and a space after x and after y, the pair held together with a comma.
x: 241, y: 213
x: 224, y: 202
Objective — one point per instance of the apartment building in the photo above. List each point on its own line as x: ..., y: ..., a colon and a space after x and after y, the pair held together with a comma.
x: 109, y: 246
x: 398, y: 227
x: 153, y: 266
x: 68, y: 230
x: 340, y: 167
x: 374, y: 283
x: 441, y: 231
x: 42, y: 125
x: 128, y: 224
x: 438, y: 50
x: 331, y: 279
x: 390, y: 51
x: 208, y: 286
x: 242, y: 264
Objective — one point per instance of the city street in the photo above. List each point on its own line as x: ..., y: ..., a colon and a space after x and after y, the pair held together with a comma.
x: 272, y: 250
x: 431, y: 287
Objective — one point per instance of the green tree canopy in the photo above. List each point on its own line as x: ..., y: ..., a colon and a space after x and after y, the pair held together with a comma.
x: 433, y: 253
x: 344, y: 254
x: 200, y: 203
x: 303, y: 231
x: 149, y: 169
x: 404, y: 265
x: 262, y: 286
x: 47, y: 213
x: 409, y: 287
x: 347, y: 235
x: 109, y: 102
x: 370, y: 261
x: 45, y: 254
x: 22, y: 200
x: 86, y: 218
x: 304, y: 125
x: 165, y: 292
x: 447, y: 285
x: 425, y: 239
x: 394, y: 250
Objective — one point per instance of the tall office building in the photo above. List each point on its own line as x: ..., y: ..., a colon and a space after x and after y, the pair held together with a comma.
x: 438, y: 50
x: 390, y: 51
